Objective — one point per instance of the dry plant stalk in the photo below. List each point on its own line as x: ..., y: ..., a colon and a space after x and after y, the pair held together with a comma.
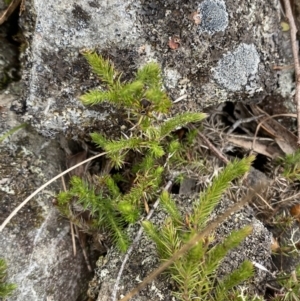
x: 71, y: 224
x: 16, y: 210
x: 295, y: 50
x: 10, y: 9
x: 214, y: 150
x: 211, y: 227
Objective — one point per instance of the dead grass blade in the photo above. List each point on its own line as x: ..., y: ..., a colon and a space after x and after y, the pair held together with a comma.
x: 18, y: 208
x: 263, y: 147
x: 286, y: 140
x: 10, y: 9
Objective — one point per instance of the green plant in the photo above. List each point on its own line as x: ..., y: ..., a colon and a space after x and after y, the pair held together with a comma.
x: 141, y: 157
x: 10, y: 132
x: 6, y: 289
x: 291, y: 166
x: 195, y: 273
x: 290, y: 286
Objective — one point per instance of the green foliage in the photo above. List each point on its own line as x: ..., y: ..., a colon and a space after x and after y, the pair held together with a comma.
x: 290, y: 286
x: 211, y: 197
x: 142, y: 157
x: 149, y: 143
x: 145, y: 92
x: 195, y: 273
x: 104, y: 211
x: 10, y: 132
x: 101, y: 67
x: 6, y: 289
x: 291, y: 165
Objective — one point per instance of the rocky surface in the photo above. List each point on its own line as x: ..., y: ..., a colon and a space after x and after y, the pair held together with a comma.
x: 36, y: 243
x: 210, y: 51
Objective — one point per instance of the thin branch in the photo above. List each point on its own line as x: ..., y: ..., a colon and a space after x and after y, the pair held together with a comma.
x: 71, y: 224
x: 73, y: 238
x: 10, y: 9
x: 240, y: 121
x: 16, y: 210
x: 194, y: 240
x: 294, y: 196
x: 180, y: 98
x: 22, y: 7
x: 82, y: 244
x: 136, y: 240
x: 295, y: 50
x: 217, y: 153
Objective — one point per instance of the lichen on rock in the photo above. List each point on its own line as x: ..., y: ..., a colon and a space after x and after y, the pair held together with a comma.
x: 213, y: 16
x: 133, y: 33
x: 234, y: 70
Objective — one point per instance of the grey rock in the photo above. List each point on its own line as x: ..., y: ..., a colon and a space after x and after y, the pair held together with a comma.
x: 36, y: 243
x: 209, y: 67
x: 256, y: 247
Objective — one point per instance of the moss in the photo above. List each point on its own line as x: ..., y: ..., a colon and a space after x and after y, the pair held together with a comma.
x: 6, y: 289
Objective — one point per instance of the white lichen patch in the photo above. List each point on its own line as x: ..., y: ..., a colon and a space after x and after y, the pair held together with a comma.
x: 56, y: 122
x: 104, y: 272
x: 8, y: 190
x: 171, y: 78
x: 213, y: 15
x: 237, y: 69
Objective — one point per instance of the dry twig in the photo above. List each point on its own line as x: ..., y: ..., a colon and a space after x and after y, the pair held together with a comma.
x: 16, y: 210
x: 82, y: 245
x: 10, y: 9
x: 71, y: 224
x: 217, y: 153
x: 295, y: 50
